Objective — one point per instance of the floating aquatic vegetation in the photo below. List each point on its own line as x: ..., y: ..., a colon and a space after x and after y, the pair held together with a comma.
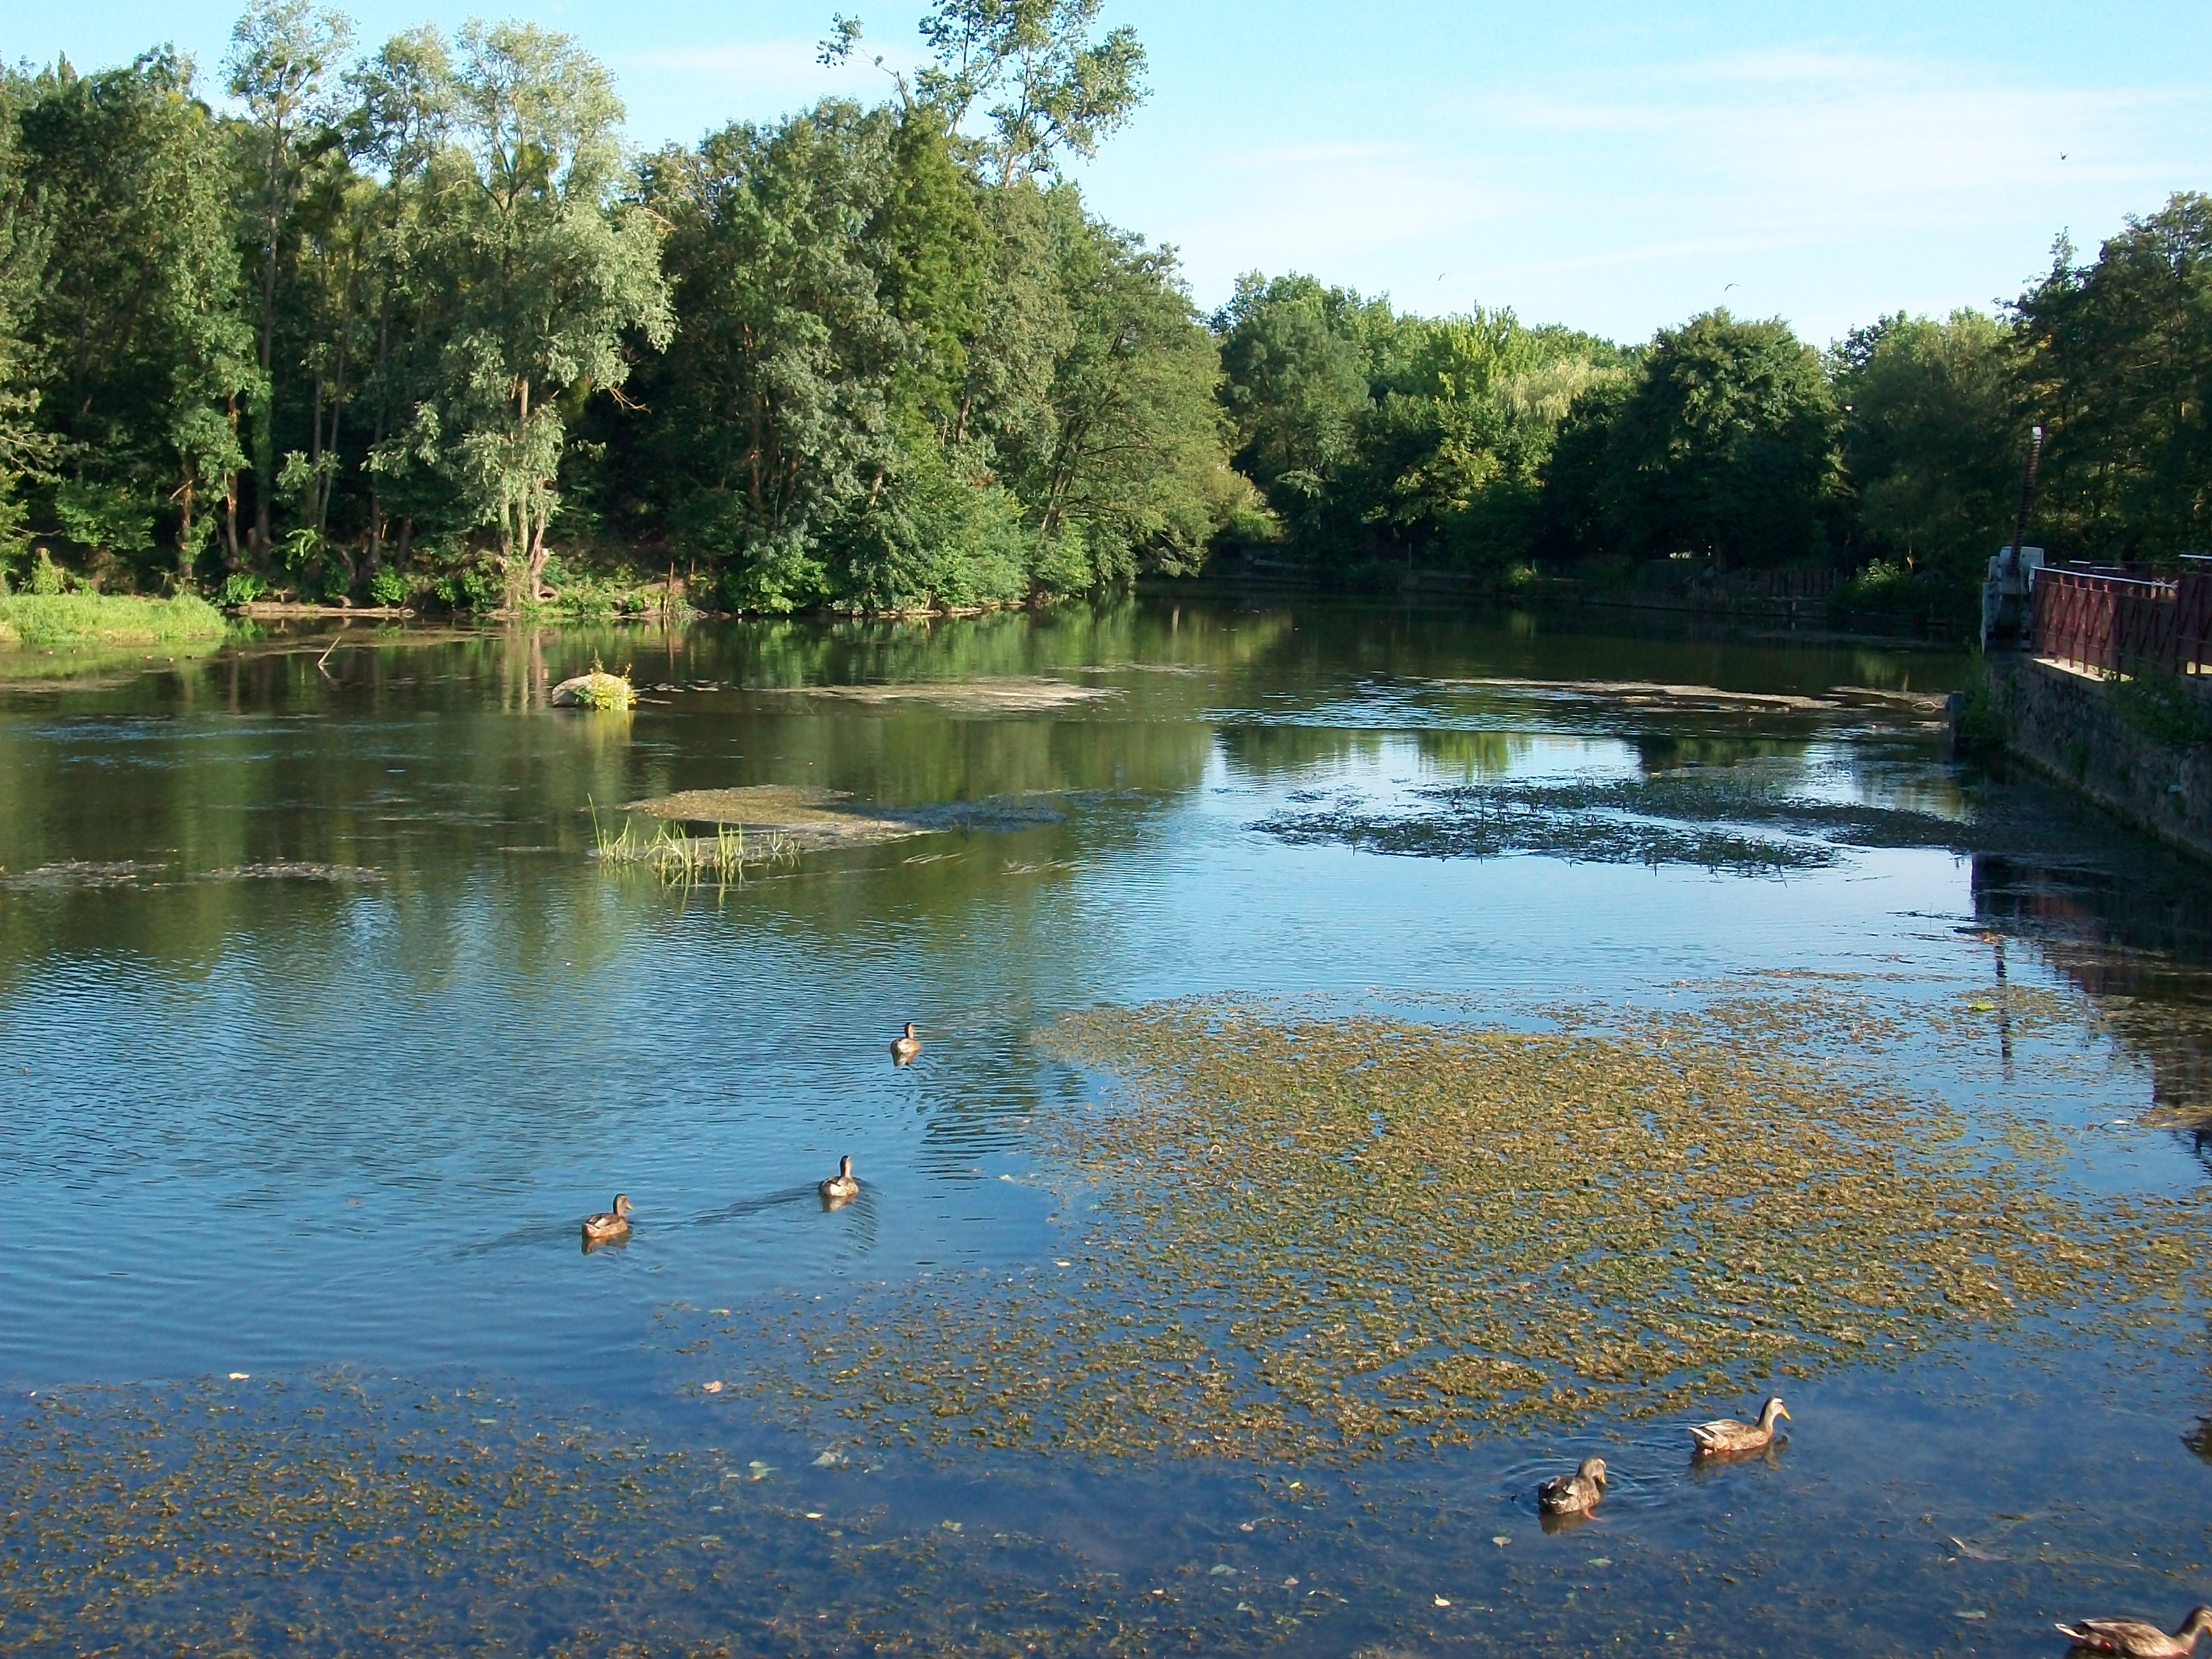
x: 1327, y: 1239
x: 295, y: 870
x: 75, y: 872
x: 1927, y: 706
x: 1012, y: 694
x: 343, y: 1516
x: 1711, y: 821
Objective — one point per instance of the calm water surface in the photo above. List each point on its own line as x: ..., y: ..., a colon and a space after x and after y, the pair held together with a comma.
x: 320, y: 1027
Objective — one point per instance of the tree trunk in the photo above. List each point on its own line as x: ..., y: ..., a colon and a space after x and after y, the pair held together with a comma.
x: 185, y: 536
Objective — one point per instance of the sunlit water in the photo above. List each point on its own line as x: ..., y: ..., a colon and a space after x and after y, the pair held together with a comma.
x: 279, y: 1123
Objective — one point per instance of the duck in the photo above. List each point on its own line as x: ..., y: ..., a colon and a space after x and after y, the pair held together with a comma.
x: 2138, y: 1638
x: 1573, y: 1494
x: 1727, y: 1435
x: 610, y: 1223
x: 907, y: 1046
x: 842, y: 1186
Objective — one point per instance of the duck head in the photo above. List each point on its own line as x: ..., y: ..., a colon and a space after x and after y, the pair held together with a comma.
x: 1773, y: 1409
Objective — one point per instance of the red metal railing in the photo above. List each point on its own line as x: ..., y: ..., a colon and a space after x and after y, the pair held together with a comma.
x: 2121, y: 624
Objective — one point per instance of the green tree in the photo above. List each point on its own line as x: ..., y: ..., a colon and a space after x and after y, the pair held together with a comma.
x: 27, y: 450
x: 1137, y: 463
x: 773, y: 425
x: 2120, y: 372
x: 143, y: 357
x: 1059, y: 87
x: 398, y: 128
x: 1295, y: 382
x: 284, y: 68
x: 1931, y: 441
x: 1726, y: 447
x: 549, y: 275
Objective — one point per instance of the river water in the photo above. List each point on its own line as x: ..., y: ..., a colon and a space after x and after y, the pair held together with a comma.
x: 320, y: 1025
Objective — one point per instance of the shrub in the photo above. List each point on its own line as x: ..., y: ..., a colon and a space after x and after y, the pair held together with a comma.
x: 387, y: 586
x: 240, y: 587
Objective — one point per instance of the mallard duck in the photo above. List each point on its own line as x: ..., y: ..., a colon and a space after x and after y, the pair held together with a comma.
x: 1727, y: 1435
x: 1573, y: 1494
x: 907, y: 1046
x: 2139, y: 1638
x: 610, y: 1223
x: 842, y: 1186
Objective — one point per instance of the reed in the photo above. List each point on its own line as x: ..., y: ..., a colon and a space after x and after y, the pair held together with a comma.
x: 683, y: 861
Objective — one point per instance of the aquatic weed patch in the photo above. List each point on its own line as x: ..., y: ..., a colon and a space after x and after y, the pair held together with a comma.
x: 1019, y: 694
x: 339, y: 1517
x: 1716, y: 824
x: 1323, y: 1239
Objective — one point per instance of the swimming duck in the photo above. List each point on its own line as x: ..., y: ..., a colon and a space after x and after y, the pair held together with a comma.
x: 906, y: 1047
x: 610, y: 1223
x: 842, y: 1186
x: 1727, y: 1435
x: 1573, y: 1494
x: 2138, y: 1638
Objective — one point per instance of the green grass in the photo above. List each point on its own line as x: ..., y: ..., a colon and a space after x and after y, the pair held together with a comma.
x: 685, y: 860
x: 59, y: 619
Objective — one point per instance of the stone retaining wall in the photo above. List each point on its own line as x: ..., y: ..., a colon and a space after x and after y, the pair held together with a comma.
x: 2063, y: 721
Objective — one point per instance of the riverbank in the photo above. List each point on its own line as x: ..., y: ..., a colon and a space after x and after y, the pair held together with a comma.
x: 39, y: 620
x: 2138, y: 749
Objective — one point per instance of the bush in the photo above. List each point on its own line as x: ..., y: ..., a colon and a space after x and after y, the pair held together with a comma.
x: 240, y: 587
x: 46, y: 577
x: 387, y: 586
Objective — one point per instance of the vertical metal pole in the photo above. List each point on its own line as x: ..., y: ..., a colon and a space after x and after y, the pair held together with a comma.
x: 2027, y: 492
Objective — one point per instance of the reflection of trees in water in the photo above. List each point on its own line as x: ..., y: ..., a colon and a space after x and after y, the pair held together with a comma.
x: 2135, y: 935
x: 1261, y: 752
x: 1658, y: 752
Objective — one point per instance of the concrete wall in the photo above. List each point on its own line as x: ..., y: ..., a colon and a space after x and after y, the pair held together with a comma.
x: 2063, y: 721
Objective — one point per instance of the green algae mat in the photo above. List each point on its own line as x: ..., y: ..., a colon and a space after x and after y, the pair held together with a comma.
x: 1312, y: 1239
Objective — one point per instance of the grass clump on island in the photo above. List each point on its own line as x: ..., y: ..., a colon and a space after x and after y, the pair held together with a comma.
x: 687, y: 860
x: 51, y: 620
x: 1325, y: 1239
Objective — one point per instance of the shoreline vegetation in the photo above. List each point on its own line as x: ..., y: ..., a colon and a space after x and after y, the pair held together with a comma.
x: 359, y: 350
x: 33, y: 621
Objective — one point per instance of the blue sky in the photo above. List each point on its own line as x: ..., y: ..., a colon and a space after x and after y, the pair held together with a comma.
x: 1615, y: 166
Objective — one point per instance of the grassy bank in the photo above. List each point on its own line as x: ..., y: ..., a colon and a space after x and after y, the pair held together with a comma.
x: 58, y: 619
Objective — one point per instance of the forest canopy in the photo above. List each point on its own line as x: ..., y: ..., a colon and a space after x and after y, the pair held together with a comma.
x: 411, y: 323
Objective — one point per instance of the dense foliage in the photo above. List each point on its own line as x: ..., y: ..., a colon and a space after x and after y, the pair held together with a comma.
x: 411, y: 322
x: 1725, y: 446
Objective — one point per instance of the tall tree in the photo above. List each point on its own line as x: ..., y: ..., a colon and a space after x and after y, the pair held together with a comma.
x: 773, y: 424
x: 398, y: 129
x: 283, y: 67
x: 144, y: 353
x: 27, y: 449
x: 1137, y: 467
x: 1059, y: 89
x: 2121, y: 374
x: 1726, y: 447
x: 1932, y: 435
x: 550, y: 275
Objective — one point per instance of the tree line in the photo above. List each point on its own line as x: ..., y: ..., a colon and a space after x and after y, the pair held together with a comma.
x: 412, y: 323
x: 1896, y: 457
